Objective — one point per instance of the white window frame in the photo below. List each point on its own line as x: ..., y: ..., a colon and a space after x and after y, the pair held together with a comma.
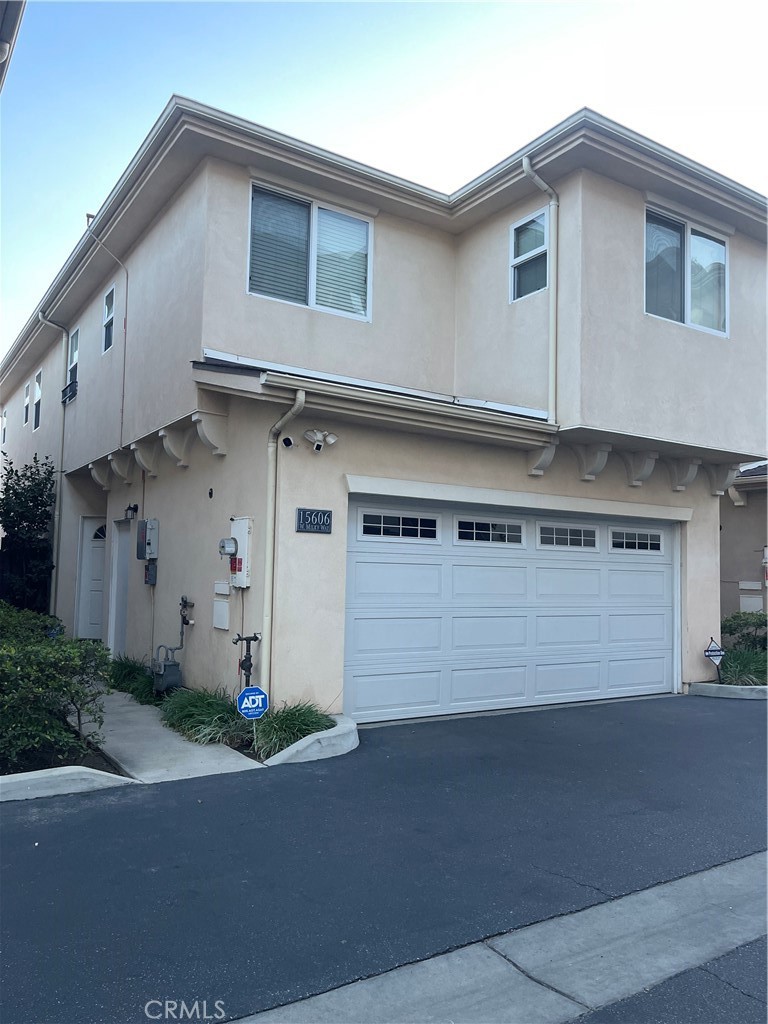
x: 411, y: 514
x: 567, y: 526
x: 4, y: 426
x: 314, y: 205
x: 37, y: 404
x: 516, y: 261
x: 490, y: 544
x: 105, y: 320
x: 73, y: 363
x: 632, y: 552
x: 688, y: 226
x: 27, y: 391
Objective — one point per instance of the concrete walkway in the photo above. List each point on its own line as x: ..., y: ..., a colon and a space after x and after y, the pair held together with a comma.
x: 135, y: 739
x: 563, y: 968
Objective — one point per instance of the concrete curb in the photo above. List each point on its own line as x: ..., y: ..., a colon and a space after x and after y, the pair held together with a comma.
x: 341, y: 739
x: 58, y: 782
x: 724, y: 690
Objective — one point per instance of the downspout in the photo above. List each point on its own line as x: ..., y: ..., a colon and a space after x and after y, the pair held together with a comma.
x: 269, y: 545
x: 59, y: 490
x: 88, y: 220
x: 554, y: 207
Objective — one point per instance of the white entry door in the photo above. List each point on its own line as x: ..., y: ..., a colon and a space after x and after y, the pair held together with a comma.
x: 460, y: 609
x: 90, y: 604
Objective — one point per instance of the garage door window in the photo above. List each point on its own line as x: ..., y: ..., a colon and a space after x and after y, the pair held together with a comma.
x: 486, y: 532
x: 567, y: 537
x: 404, y: 527
x: 635, y: 540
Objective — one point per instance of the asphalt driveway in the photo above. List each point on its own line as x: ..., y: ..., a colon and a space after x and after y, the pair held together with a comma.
x: 260, y: 888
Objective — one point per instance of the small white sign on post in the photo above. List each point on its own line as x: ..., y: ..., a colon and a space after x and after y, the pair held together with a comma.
x: 714, y: 652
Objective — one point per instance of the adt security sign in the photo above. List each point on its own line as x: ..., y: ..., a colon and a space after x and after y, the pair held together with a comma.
x: 252, y: 702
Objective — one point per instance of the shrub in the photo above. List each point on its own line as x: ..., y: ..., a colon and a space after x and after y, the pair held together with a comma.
x: 27, y: 498
x: 206, y: 716
x: 133, y: 677
x: 24, y: 626
x: 43, y: 681
x: 280, y: 728
x: 747, y: 630
x: 211, y: 716
x: 744, y: 667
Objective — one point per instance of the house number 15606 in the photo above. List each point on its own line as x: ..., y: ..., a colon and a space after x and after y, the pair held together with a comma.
x: 313, y: 520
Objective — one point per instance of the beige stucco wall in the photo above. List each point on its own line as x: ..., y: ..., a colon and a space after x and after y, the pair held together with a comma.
x: 165, y: 273
x: 191, y: 525
x: 310, y: 601
x: 22, y: 441
x: 743, y: 536
x: 644, y: 375
x: 410, y: 338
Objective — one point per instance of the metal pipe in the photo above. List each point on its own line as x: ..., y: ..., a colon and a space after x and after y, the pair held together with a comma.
x: 554, y: 207
x: 269, y: 567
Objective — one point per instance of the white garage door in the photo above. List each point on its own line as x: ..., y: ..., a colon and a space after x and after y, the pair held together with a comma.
x: 453, y: 610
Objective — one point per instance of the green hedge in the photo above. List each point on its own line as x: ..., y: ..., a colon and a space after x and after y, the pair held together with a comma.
x: 44, y: 678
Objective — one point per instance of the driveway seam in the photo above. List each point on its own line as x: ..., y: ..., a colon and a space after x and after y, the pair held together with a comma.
x: 535, y: 980
x: 730, y: 984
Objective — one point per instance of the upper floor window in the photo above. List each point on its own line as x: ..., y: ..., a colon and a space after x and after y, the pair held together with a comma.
x: 26, y: 403
x: 528, y: 244
x: 38, y: 399
x: 4, y: 428
x: 685, y: 273
x: 109, y: 319
x: 310, y: 254
x: 70, y: 390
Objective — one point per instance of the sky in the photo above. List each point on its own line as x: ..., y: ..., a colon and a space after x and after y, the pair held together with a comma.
x: 434, y: 92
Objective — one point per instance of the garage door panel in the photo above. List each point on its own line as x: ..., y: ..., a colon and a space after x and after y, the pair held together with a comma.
x: 382, y: 578
x: 638, y: 627
x: 476, y: 632
x: 554, y: 582
x: 405, y: 690
x: 567, y: 679
x: 377, y: 634
x: 485, y: 581
x: 638, y: 583
x: 634, y: 673
x: 487, y: 684
x: 571, y: 629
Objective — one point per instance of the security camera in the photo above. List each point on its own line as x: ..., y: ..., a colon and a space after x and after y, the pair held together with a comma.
x: 317, y: 446
x: 288, y: 442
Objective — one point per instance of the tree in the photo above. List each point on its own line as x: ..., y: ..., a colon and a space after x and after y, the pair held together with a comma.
x: 27, y: 497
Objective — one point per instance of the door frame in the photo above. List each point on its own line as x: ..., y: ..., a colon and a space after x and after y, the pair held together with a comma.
x: 119, y: 563
x: 81, y: 543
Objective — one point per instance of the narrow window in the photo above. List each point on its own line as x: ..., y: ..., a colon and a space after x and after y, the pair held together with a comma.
x: 567, y: 537
x: 664, y: 241
x: 388, y: 525
x: 342, y: 262
x: 529, y: 256
x: 38, y: 399
x: 5, y: 426
x: 109, y: 319
x: 280, y: 246
x: 707, y: 281
x: 635, y: 540
x: 26, y: 403
x: 488, y: 532
x: 70, y: 389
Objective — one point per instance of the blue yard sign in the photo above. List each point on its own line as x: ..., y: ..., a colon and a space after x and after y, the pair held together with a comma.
x: 252, y: 702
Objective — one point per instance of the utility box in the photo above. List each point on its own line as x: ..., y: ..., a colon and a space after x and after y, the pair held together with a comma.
x: 147, y: 539
x: 240, y: 563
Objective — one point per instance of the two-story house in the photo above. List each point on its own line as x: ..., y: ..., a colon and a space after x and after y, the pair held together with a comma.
x: 444, y: 452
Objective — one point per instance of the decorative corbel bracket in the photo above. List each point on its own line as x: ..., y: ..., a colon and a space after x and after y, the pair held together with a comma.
x: 541, y: 459
x: 178, y: 444
x: 100, y: 474
x: 591, y: 459
x: 721, y: 476
x: 682, y: 472
x: 145, y: 453
x: 739, y: 498
x: 639, y: 466
x: 212, y: 430
x: 121, y: 463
